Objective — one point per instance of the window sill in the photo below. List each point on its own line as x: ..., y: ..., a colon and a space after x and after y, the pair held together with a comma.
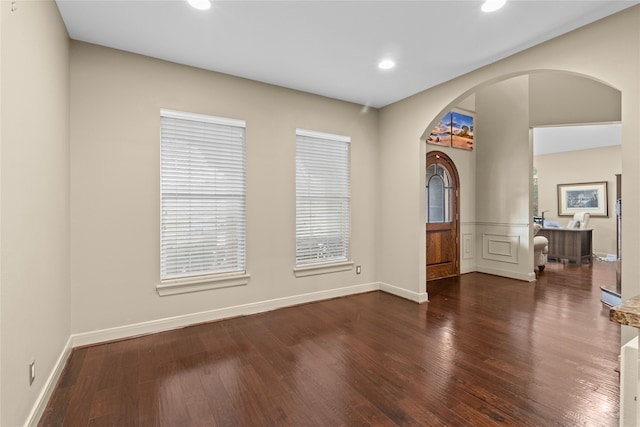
x: 201, y: 283
x: 313, y: 270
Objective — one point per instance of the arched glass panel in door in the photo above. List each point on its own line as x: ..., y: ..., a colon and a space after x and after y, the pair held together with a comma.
x: 439, y: 188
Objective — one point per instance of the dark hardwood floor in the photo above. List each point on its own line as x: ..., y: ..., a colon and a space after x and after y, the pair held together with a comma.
x: 484, y: 351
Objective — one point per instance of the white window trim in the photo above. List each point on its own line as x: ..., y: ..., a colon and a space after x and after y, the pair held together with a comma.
x: 201, y: 283
x: 314, y: 270
x: 322, y: 135
x: 189, y: 284
x: 202, y: 117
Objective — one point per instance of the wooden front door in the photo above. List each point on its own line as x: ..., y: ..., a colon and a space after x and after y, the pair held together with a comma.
x: 443, y: 217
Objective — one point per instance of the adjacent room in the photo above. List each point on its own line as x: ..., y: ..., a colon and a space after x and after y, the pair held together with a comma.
x: 219, y: 214
x: 567, y: 155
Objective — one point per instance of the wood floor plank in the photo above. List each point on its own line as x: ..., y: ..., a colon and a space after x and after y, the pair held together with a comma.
x: 484, y: 351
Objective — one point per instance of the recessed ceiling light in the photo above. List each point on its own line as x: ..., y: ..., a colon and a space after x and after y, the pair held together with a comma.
x: 200, y: 4
x: 492, y: 5
x: 386, y: 64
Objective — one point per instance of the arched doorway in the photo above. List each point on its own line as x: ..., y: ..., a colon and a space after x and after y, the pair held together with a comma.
x: 442, y: 216
x: 495, y: 234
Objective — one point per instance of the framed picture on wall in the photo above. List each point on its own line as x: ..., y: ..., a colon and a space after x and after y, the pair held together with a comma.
x: 461, y: 130
x: 588, y: 197
x: 455, y: 130
x: 441, y: 134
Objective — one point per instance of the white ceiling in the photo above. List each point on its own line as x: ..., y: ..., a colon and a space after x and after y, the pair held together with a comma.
x: 331, y: 48
x: 558, y: 139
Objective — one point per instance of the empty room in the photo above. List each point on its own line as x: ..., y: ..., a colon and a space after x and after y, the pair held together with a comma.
x: 314, y: 213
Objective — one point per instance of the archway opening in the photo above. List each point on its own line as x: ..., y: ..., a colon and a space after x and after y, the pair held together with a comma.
x: 497, y: 203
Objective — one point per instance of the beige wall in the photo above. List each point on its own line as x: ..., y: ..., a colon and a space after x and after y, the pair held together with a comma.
x: 1, y: 128
x: 116, y: 99
x: 503, y: 178
x: 564, y: 99
x: 600, y: 164
x: 614, y: 41
x: 34, y: 214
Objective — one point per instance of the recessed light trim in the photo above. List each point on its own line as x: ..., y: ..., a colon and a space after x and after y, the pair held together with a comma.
x: 386, y: 64
x: 200, y: 4
x: 493, y: 5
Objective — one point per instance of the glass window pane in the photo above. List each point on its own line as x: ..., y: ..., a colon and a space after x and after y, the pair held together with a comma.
x: 438, y: 194
x: 436, y: 199
x: 431, y: 170
x: 447, y: 204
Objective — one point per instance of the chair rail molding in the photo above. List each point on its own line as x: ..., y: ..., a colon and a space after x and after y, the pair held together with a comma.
x: 496, y: 224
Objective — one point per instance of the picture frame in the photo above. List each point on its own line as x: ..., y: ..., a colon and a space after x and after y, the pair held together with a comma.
x: 455, y: 130
x: 589, y: 197
x: 462, y: 130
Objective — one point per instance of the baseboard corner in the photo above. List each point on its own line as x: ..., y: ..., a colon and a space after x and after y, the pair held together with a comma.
x: 49, y: 386
x: 419, y: 297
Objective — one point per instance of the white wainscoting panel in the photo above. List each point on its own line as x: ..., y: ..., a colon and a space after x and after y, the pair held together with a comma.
x: 502, y: 248
x: 467, y: 246
x: 468, y: 249
x: 629, y: 384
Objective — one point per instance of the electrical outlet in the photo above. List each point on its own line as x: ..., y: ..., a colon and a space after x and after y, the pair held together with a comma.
x: 32, y: 372
x: 358, y: 269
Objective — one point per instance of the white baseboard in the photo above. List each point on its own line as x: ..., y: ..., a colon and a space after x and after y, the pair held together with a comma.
x: 527, y: 277
x: 48, y: 387
x: 467, y: 269
x: 418, y: 297
x: 166, y: 324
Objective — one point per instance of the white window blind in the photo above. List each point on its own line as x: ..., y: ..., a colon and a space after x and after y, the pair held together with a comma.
x: 202, y: 195
x: 323, y: 196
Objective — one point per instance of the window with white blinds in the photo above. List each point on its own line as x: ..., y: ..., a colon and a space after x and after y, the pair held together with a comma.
x: 323, y: 198
x: 202, y: 195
